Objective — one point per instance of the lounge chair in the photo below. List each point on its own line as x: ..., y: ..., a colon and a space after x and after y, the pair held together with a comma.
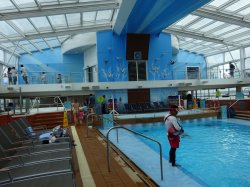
x: 11, y: 148
x: 8, y: 175
x: 128, y: 108
x: 27, y: 159
x: 24, y: 131
x: 54, y: 180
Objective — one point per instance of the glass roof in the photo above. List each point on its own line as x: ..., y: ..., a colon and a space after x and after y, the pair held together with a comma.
x: 222, y: 22
x: 35, y: 25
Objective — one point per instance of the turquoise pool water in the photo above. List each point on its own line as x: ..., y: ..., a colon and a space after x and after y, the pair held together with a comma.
x: 216, y: 153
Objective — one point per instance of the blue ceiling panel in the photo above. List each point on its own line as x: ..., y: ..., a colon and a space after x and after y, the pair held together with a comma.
x: 152, y: 16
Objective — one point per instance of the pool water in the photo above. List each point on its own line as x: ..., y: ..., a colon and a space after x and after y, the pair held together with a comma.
x: 216, y: 152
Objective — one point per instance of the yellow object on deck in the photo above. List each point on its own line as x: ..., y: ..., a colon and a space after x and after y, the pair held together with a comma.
x: 65, y: 120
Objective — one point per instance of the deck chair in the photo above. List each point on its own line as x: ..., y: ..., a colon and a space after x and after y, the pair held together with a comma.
x: 24, y: 129
x: 26, y: 132
x: 62, y: 179
x: 54, y: 180
x: 10, y: 133
x: 8, y: 175
x: 11, y: 148
x: 14, y: 137
x: 27, y: 159
x: 128, y: 108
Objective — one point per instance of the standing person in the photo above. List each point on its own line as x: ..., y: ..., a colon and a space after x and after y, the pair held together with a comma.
x: 13, y: 75
x: 9, y: 75
x: 91, y: 101
x: 59, y: 78
x: 217, y: 93
x: 81, y: 116
x: 75, y: 109
x: 44, y: 78
x: 174, y: 129
x: 24, y: 74
x: 103, y: 105
x: 231, y: 69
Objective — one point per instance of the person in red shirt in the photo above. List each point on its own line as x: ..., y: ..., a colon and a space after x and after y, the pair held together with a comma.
x: 174, y: 130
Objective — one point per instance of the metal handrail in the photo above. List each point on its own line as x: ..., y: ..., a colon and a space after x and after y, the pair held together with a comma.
x: 234, y: 103
x: 87, y: 121
x: 56, y: 101
x: 116, y: 127
x: 35, y: 102
x: 38, y: 98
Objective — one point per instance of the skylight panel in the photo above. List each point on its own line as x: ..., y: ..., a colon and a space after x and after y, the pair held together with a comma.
x: 207, y: 43
x: 104, y: 15
x: 26, y: 4
x: 226, y: 29
x: 73, y: 19
x: 48, y: 2
x: 41, y: 23
x: 24, y: 42
x: 58, y: 21
x: 42, y: 45
x: 88, y: 16
x: 81, y: 1
x: 244, y: 12
x: 6, y: 5
x: 243, y: 37
x: 7, y: 44
x: 185, y: 21
x: 67, y: 1
x: 29, y: 47
x: 18, y: 50
x: 235, y: 32
x: 235, y: 54
x: 6, y: 29
x: 247, y: 52
x: 197, y: 41
x: 1, y: 55
x: 218, y: 3
x: 200, y: 23
x: 212, y: 26
x: 53, y: 42
x: 237, y: 5
x: 24, y: 25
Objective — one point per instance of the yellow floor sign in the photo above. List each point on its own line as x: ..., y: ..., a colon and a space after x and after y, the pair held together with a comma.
x: 65, y: 120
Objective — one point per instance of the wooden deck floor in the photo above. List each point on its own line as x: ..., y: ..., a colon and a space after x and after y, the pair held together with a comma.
x: 94, y: 148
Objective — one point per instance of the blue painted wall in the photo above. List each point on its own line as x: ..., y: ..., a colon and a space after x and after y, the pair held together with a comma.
x: 160, y: 54
x: 111, y: 55
x: 53, y: 62
x: 186, y: 59
x: 111, y: 51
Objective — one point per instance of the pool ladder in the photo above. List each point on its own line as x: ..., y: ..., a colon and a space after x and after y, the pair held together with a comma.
x: 121, y: 127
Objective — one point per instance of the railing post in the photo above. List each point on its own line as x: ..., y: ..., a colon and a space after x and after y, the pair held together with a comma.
x: 108, y: 146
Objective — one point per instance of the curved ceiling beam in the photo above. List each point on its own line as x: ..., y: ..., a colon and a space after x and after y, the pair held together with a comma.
x: 219, y: 16
x: 123, y: 15
x: 78, y: 30
x: 198, y: 36
x: 62, y: 9
x: 156, y: 10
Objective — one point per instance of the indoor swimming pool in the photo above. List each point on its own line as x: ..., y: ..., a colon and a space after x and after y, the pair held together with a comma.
x: 215, y: 153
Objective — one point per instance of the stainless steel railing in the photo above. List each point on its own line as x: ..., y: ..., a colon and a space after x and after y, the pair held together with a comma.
x: 117, y: 127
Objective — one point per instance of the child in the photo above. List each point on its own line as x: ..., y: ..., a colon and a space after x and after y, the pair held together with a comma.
x: 81, y: 115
